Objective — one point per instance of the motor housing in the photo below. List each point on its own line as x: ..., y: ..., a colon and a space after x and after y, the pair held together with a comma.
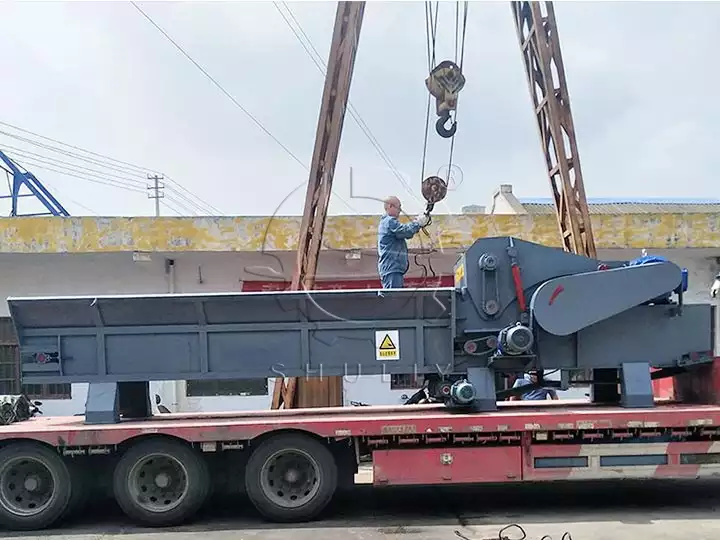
x: 462, y: 392
x: 516, y: 339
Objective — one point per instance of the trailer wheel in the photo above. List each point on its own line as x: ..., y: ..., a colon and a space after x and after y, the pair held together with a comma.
x: 35, y: 487
x: 161, y: 482
x: 81, y: 488
x: 291, y: 478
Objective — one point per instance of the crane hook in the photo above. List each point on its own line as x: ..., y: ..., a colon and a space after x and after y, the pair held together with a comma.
x: 442, y: 130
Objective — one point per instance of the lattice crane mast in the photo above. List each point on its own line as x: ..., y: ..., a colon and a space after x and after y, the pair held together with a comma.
x: 540, y: 45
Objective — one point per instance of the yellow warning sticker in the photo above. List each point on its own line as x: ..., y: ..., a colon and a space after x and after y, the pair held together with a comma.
x: 387, y: 345
x: 459, y: 274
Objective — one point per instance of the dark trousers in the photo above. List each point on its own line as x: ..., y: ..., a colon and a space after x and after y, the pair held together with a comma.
x: 392, y: 281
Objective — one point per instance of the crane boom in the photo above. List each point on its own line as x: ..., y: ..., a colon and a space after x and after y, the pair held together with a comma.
x: 545, y: 72
x: 323, y: 391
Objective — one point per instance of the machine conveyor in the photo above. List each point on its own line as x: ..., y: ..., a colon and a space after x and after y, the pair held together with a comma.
x: 233, y: 335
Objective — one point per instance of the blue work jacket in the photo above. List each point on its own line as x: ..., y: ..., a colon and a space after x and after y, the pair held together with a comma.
x: 537, y: 394
x: 392, y: 245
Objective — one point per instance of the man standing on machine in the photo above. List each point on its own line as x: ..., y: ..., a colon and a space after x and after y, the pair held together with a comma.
x: 393, y: 260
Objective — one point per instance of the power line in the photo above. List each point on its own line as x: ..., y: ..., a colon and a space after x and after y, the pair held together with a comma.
x: 106, y: 162
x: 34, y: 155
x: 141, y: 169
x: 77, y: 173
x: 67, y: 153
x: 81, y: 205
x: 218, y: 85
x: 59, y: 168
x: 171, y: 207
x: 34, y: 164
x: 181, y: 192
x: 99, y: 177
x: 354, y: 113
x: 228, y: 94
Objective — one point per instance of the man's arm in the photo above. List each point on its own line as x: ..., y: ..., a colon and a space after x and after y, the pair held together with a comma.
x: 553, y: 393
x: 400, y: 230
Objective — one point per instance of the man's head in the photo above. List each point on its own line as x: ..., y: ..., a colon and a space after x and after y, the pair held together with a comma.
x: 535, y: 375
x: 393, y: 206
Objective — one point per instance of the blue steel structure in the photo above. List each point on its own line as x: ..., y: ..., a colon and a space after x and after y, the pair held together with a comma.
x: 515, y: 305
x: 20, y: 178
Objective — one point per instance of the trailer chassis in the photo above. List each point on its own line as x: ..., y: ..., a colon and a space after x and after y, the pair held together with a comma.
x: 290, y: 463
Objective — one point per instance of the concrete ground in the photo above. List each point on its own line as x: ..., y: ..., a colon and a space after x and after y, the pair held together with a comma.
x: 615, y: 510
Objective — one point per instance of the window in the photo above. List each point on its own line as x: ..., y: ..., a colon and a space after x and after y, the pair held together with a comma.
x: 9, y: 365
x: 406, y: 382
x: 230, y: 387
x: 47, y: 391
x: 10, y: 370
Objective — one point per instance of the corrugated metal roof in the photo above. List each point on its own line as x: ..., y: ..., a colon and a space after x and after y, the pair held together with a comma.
x: 641, y: 206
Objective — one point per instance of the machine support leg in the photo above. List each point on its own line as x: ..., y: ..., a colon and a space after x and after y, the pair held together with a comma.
x: 107, y: 402
x: 484, y: 382
x: 605, y: 386
x: 637, y: 391
x: 103, y: 403
x: 135, y: 399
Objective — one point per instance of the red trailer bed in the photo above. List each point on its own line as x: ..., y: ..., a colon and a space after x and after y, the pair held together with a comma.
x: 368, y: 422
x: 290, y: 463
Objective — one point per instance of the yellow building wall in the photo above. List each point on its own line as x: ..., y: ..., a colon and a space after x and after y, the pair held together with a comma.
x: 173, y: 234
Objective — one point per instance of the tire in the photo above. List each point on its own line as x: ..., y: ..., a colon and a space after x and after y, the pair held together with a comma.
x: 81, y: 488
x: 180, y: 487
x: 44, y: 495
x: 286, y: 500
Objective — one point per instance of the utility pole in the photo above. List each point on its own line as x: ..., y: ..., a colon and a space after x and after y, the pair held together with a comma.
x: 156, y: 191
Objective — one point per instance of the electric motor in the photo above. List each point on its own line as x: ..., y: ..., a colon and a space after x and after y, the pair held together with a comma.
x: 462, y: 392
x: 517, y: 339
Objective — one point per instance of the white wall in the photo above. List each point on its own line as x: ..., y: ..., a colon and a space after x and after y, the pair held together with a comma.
x: 59, y: 274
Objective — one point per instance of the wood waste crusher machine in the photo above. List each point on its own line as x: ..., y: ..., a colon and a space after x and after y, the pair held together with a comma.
x: 516, y: 305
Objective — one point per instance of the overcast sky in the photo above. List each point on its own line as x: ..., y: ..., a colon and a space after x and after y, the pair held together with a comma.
x: 643, y: 83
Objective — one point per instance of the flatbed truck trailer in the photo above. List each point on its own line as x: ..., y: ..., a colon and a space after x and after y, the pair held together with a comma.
x: 290, y: 463
x: 515, y: 306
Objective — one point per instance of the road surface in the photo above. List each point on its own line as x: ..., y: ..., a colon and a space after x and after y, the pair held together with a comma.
x: 622, y: 510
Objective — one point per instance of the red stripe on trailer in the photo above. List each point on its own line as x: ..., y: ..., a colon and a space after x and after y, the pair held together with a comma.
x: 432, y: 466
x: 626, y: 460
x: 691, y: 459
